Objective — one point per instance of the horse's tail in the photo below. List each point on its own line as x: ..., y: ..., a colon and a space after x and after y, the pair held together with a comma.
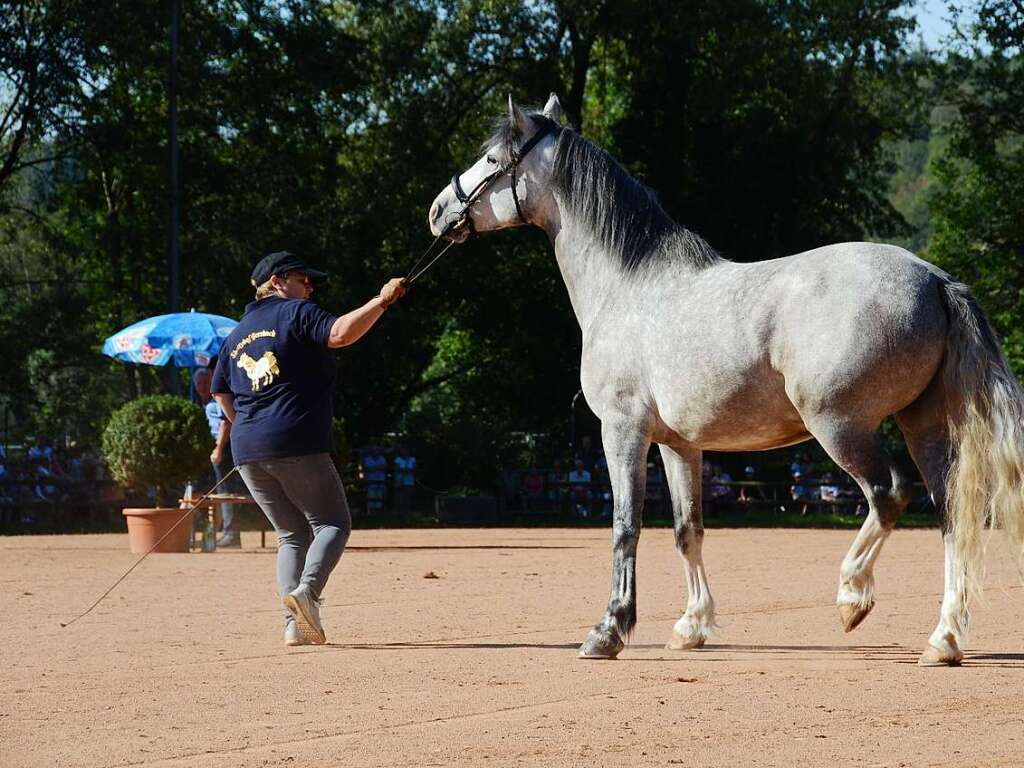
x: 986, y: 476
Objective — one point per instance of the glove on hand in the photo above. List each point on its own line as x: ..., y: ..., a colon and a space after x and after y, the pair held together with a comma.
x: 393, y: 290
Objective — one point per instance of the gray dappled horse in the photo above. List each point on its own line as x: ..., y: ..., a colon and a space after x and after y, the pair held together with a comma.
x: 686, y: 349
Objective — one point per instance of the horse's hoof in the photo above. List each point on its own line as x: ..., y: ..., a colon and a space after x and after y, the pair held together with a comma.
x: 679, y: 643
x: 852, y: 615
x: 601, y: 645
x: 933, y: 657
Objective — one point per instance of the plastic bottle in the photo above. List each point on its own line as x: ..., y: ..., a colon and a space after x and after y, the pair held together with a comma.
x: 210, y: 533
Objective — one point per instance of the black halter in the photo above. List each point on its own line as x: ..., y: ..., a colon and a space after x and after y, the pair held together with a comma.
x: 516, y: 158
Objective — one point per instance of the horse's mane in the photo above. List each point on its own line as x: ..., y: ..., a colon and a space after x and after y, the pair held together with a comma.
x: 624, y: 213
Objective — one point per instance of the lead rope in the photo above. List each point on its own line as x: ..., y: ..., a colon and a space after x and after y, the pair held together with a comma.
x: 413, y: 273
x: 191, y: 510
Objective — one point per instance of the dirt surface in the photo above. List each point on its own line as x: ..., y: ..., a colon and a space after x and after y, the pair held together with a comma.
x: 184, y: 664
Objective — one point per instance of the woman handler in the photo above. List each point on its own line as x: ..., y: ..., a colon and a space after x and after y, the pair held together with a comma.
x: 275, y: 381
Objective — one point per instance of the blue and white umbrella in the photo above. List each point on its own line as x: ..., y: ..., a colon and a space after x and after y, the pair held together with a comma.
x: 187, y: 339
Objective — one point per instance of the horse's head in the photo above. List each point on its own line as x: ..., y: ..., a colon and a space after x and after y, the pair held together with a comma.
x: 504, y: 188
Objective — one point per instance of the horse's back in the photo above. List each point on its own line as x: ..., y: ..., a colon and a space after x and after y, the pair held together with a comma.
x: 742, y: 356
x: 858, y: 326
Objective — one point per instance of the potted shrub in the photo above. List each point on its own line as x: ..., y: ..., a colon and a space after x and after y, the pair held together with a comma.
x: 159, y: 441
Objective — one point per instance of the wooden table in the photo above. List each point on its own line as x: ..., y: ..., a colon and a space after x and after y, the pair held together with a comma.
x: 214, y: 502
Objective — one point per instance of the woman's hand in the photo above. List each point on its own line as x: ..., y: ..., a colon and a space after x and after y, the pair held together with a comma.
x: 393, y: 290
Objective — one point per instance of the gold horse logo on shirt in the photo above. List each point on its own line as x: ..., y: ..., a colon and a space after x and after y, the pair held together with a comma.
x: 261, y: 372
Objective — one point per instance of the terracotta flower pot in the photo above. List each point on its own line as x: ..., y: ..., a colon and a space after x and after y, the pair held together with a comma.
x: 146, y: 526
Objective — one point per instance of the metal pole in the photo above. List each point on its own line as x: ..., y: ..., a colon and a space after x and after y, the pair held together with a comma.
x: 173, y: 255
x: 172, y: 98
x: 572, y: 422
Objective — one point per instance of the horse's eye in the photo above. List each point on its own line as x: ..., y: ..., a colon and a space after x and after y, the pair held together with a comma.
x: 491, y: 160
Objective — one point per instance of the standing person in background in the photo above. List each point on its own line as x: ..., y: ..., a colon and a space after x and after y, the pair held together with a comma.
x: 405, y: 481
x: 375, y: 475
x: 275, y: 382
x: 220, y: 457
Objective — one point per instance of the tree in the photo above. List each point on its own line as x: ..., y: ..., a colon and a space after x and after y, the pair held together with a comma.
x: 761, y: 125
x: 976, y: 209
x: 41, y: 66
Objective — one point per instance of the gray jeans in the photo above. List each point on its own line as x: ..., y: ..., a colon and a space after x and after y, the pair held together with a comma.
x: 298, y: 494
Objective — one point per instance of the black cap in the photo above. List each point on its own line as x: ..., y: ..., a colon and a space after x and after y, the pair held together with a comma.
x: 278, y: 263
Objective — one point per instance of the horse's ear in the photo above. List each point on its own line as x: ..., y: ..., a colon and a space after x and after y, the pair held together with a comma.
x: 553, y: 109
x: 516, y: 116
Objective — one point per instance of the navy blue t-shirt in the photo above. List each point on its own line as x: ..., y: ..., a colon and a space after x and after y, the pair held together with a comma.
x: 277, y: 365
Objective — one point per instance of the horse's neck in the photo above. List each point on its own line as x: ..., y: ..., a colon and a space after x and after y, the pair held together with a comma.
x: 590, y: 273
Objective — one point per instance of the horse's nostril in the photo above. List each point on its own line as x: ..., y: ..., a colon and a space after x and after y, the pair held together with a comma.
x: 435, y: 211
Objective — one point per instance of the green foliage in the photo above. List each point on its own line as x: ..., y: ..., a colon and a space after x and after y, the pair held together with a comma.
x: 979, y: 198
x: 761, y: 125
x: 158, y: 440
x: 327, y: 128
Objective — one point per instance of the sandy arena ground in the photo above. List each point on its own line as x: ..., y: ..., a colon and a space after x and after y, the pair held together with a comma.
x: 184, y: 665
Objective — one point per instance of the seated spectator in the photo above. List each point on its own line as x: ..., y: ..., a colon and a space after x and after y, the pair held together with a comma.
x: 655, y: 489
x: 802, y: 463
x: 751, y: 493
x: 533, y: 488
x: 41, y: 449
x: 804, y: 489
x: 6, y: 483
x: 829, y: 490
x: 22, y: 482
x: 45, y: 483
x: 721, y: 492
x: 579, y: 489
x: 586, y: 452
x: 511, y: 483
x: 556, y: 486
x: 602, y: 484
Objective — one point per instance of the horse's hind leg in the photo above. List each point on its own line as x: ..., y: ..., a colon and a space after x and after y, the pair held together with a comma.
x: 682, y: 471
x: 857, y: 449
x: 925, y: 429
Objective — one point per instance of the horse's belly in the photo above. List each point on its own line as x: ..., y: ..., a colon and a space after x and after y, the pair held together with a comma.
x: 754, y: 441
x: 750, y: 418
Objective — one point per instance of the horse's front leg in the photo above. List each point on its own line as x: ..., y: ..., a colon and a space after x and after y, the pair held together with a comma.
x: 625, y: 447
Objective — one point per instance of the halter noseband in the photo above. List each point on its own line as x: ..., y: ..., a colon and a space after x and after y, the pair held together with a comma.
x: 467, y: 200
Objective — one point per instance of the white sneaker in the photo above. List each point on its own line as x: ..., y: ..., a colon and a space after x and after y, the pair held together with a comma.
x: 306, y: 610
x: 229, y: 539
x: 293, y: 635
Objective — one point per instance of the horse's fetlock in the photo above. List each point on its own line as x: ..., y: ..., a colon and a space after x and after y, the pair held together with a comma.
x: 621, y: 618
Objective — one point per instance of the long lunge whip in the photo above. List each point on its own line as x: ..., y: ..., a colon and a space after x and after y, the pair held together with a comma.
x: 191, y: 511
